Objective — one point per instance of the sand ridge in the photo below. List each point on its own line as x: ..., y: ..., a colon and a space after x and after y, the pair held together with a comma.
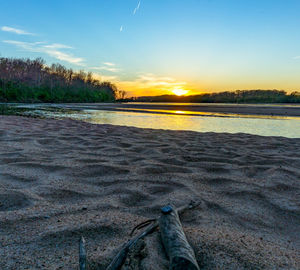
x: 60, y: 179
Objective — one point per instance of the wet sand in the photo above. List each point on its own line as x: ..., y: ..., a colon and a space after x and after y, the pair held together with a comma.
x: 61, y: 179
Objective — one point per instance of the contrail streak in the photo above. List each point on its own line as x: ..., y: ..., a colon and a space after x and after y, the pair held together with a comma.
x: 137, y: 7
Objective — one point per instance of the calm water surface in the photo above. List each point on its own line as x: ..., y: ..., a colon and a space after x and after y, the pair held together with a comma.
x: 185, y: 120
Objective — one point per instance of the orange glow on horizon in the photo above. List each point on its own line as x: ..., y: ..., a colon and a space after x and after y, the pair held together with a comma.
x: 158, y: 85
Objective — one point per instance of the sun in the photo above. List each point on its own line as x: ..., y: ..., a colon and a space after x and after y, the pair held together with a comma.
x: 179, y: 92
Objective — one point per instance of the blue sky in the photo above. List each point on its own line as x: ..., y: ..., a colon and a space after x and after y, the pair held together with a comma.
x: 151, y: 47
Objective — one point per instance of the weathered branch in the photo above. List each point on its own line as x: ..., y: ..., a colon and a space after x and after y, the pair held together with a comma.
x: 119, y: 259
x: 179, y: 251
x: 82, y: 254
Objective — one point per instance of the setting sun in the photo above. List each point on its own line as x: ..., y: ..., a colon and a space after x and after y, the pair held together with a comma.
x: 179, y: 92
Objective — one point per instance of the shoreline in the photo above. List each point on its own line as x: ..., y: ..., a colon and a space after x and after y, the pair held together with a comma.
x: 61, y: 179
x: 264, y: 125
x: 286, y: 110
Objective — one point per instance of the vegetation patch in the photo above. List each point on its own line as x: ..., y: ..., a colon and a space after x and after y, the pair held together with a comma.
x: 31, y: 81
x: 238, y: 96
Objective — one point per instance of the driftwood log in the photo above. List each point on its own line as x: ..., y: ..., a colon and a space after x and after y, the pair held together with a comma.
x: 82, y: 254
x: 179, y: 251
x: 119, y: 259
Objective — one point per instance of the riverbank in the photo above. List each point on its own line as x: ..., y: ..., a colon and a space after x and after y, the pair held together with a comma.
x: 284, y: 110
x: 61, y: 179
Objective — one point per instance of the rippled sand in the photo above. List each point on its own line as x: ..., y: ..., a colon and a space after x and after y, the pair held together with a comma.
x: 63, y: 179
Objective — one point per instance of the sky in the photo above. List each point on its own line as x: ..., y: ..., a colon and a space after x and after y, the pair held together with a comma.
x: 155, y: 47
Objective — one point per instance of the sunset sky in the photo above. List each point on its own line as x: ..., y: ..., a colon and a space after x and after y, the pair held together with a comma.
x: 154, y: 47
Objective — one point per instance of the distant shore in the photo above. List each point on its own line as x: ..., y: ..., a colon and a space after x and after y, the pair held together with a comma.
x: 246, y: 109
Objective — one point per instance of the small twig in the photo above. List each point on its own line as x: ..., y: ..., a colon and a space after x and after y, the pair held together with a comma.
x: 141, y: 225
x: 82, y: 254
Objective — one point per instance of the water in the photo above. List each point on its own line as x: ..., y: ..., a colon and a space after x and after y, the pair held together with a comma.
x: 179, y: 120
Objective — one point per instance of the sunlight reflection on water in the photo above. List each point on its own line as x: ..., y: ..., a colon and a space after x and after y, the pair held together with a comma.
x: 271, y: 126
x: 196, y: 113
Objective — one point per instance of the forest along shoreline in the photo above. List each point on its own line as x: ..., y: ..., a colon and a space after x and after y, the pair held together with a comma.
x: 32, y: 81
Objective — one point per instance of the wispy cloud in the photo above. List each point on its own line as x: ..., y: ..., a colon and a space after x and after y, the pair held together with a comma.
x: 107, y: 66
x: 110, y: 69
x: 121, y: 28
x: 15, y: 31
x: 151, y: 80
x: 53, y: 50
x: 296, y: 57
x: 105, y: 77
x: 151, y: 84
x: 58, y: 46
x: 24, y: 45
x: 66, y: 57
x: 137, y: 8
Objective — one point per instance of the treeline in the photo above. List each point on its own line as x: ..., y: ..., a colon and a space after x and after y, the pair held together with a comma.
x: 25, y: 80
x: 238, y: 96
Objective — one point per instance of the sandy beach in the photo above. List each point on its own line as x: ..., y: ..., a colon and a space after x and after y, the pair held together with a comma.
x: 62, y: 179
